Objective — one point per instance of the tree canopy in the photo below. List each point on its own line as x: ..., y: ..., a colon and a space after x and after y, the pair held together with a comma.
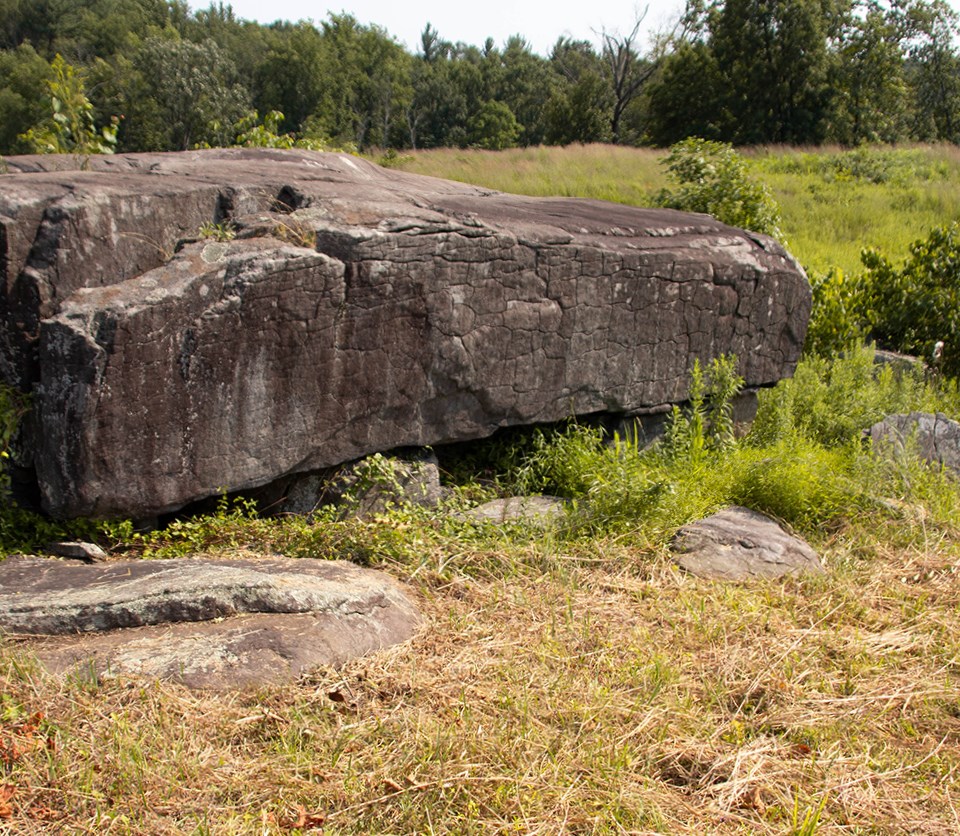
x: 738, y: 71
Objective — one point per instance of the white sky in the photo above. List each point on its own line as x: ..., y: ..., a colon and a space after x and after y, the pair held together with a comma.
x: 472, y: 21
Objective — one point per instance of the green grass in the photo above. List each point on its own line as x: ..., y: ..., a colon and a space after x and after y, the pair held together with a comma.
x: 830, y: 211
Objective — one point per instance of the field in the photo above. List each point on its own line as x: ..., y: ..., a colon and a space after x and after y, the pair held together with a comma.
x: 573, y: 680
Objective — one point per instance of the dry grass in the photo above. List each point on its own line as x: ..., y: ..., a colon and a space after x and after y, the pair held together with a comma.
x: 591, y: 690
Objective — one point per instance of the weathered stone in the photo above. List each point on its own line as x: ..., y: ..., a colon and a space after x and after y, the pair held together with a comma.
x: 206, y: 623
x: 377, y: 483
x: 539, y: 510
x: 936, y: 436
x: 88, y: 552
x: 738, y: 544
x: 359, y: 310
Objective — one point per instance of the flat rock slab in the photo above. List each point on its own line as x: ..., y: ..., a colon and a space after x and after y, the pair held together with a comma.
x: 936, y: 436
x: 738, y: 544
x: 214, y: 624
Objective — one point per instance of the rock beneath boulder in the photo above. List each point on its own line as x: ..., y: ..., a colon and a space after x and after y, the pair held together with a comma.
x: 206, y: 623
x: 358, y: 310
x: 376, y: 483
x: 936, y: 436
x: 539, y: 510
x: 738, y: 544
x: 76, y: 550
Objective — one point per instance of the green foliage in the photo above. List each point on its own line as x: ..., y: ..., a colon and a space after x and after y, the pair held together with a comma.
x: 493, y: 127
x: 878, y: 165
x: 233, y: 524
x: 832, y: 401
x: 706, y: 425
x: 251, y: 133
x: 183, y: 94
x: 70, y: 128
x: 838, y: 319
x: 918, y: 304
x: 712, y: 177
x: 211, y: 231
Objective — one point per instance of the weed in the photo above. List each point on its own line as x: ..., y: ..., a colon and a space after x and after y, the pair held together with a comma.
x: 221, y: 232
x: 299, y: 233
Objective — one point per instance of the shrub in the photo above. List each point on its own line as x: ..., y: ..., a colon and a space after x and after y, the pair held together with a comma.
x: 917, y: 305
x: 712, y: 177
x: 70, y: 128
x: 839, y: 319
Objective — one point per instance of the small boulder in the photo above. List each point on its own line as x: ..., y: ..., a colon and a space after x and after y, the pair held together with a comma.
x: 206, y: 623
x: 737, y: 544
x: 76, y: 550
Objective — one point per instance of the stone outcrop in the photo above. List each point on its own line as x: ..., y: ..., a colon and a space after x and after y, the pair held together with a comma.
x: 737, y: 544
x: 203, y: 622
x: 356, y: 310
x: 935, y: 436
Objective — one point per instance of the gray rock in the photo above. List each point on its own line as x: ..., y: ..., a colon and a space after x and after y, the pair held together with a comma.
x: 359, y: 310
x: 87, y: 552
x: 539, y: 510
x: 739, y: 544
x: 206, y: 623
x: 377, y: 483
x: 936, y: 436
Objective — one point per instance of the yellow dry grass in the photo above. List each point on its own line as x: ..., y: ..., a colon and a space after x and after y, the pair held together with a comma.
x: 589, y: 690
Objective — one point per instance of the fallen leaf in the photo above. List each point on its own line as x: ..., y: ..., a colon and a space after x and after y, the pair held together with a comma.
x: 41, y: 813
x: 305, y: 820
x: 6, y: 793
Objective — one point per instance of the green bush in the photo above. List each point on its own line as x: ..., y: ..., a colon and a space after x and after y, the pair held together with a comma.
x: 712, y: 177
x: 838, y: 320
x: 70, y: 128
x: 913, y: 307
x: 832, y: 401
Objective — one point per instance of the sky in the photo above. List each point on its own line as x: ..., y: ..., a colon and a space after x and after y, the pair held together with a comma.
x: 541, y: 22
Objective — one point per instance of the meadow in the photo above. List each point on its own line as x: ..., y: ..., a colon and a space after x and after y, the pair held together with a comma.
x: 572, y: 680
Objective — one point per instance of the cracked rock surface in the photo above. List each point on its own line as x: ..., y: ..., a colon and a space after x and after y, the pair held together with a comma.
x: 206, y: 623
x: 937, y: 437
x: 356, y: 310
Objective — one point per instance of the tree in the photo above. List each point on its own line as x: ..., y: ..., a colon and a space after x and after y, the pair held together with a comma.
x: 493, y: 127
x: 24, y: 75
x: 772, y: 58
x: 687, y: 99
x: 70, y: 128
x: 626, y: 73
x: 929, y: 30
x: 183, y: 95
x: 870, y: 95
x: 580, y: 104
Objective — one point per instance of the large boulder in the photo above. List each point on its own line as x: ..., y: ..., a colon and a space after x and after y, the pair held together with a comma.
x: 357, y: 310
x: 935, y: 436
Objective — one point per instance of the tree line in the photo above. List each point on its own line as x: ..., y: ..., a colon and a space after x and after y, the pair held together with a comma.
x: 739, y: 71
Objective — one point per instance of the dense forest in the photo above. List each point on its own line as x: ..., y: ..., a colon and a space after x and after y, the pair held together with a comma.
x: 742, y: 71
